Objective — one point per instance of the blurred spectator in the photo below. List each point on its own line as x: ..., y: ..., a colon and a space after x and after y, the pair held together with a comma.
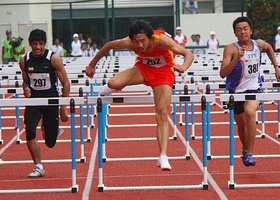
x: 76, y: 46
x: 56, y: 48
x: 198, y: 43
x: 179, y: 37
x: 93, y: 50
x: 191, y: 6
x: 277, y: 41
x: 193, y: 40
x: 81, y: 38
x: 7, y: 48
x: 65, y: 53
x: 193, y: 37
x: 85, y: 52
x: 89, y: 43
x: 18, y: 50
x: 213, y: 43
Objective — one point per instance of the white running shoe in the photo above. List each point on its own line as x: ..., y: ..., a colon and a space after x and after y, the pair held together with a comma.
x: 163, y: 163
x: 60, y: 131
x: 106, y: 90
x: 37, y: 172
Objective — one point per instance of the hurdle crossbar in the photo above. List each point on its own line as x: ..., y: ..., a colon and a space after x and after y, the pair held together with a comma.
x: 40, y: 101
x: 150, y: 99
x: 251, y: 96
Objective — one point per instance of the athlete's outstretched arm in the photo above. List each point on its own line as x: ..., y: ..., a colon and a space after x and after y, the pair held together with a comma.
x: 166, y: 42
x: 124, y: 43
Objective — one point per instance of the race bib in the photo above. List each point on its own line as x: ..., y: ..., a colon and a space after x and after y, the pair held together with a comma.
x: 40, y: 81
x: 251, y: 65
x: 154, y: 61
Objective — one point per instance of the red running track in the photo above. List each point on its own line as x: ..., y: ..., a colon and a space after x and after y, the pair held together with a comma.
x: 144, y: 172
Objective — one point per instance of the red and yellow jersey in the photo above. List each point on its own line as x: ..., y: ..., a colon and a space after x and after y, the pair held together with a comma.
x: 159, y: 57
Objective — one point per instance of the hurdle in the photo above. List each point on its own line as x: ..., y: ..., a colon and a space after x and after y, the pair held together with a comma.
x: 141, y: 88
x: 101, y: 101
x: 43, y: 102
x: 265, y: 85
x: 16, y: 127
x: 74, y: 89
x: 181, y: 87
x: 199, y: 86
x: 271, y: 85
x: 16, y: 91
x: 244, y: 97
x: 40, y: 102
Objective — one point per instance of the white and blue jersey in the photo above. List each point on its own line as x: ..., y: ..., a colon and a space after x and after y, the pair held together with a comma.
x: 245, y: 75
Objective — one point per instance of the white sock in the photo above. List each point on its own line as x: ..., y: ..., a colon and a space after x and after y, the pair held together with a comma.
x: 106, y: 90
x: 40, y: 166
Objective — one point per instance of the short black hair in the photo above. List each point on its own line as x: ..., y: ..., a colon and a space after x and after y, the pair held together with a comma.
x: 242, y: 19
x: 139, y: 27
x: 37, y: 35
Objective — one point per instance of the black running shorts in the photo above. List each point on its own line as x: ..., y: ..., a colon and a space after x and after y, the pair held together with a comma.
x: 49, y: 114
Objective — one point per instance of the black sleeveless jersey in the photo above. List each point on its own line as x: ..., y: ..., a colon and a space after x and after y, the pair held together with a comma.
x: 41, y: 74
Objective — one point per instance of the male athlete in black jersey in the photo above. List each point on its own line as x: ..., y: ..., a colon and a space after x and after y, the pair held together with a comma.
x: 41, y: 69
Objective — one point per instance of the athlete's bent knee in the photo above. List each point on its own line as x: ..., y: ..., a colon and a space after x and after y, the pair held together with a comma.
x: 50, y: 144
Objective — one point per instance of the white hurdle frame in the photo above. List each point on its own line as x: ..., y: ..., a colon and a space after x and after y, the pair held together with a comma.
x: 143, y: 88
x: 73, y: 89
x: 82, y: 159
x: 12, y: 91
x: 244, y: 97
x: 44, y: 102
x: 215, y: 86
x: 101, y: 101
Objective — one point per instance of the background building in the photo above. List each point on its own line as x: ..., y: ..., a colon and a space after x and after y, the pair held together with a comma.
x: 61, y: 18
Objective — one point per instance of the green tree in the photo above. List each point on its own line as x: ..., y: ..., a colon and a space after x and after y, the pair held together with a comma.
x: 265, y: 15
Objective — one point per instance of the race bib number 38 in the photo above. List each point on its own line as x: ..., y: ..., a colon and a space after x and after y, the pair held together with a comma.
x: 40, y: 81
x: 154, y: 61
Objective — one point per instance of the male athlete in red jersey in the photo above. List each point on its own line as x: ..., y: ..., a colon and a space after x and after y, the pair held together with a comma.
x: 154, y: 67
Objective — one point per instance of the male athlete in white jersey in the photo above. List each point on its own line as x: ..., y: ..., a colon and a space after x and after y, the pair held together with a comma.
x: 241, y: 65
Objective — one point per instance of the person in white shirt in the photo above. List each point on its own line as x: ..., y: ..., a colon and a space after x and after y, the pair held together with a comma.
x: 179, y: 37
x: 213, y: 43
x: 198, y: 43
x: 191, y: 6
x: 56, y: 48
x: 85, y: 51
x: 93, y: 50
x: 76, y: 50
x: 277, y: 41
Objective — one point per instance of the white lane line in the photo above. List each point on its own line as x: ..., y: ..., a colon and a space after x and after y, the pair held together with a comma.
x: 90, y: 169
x: 199, y: 163
x: 269, y: 137
x: 11, y: 142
